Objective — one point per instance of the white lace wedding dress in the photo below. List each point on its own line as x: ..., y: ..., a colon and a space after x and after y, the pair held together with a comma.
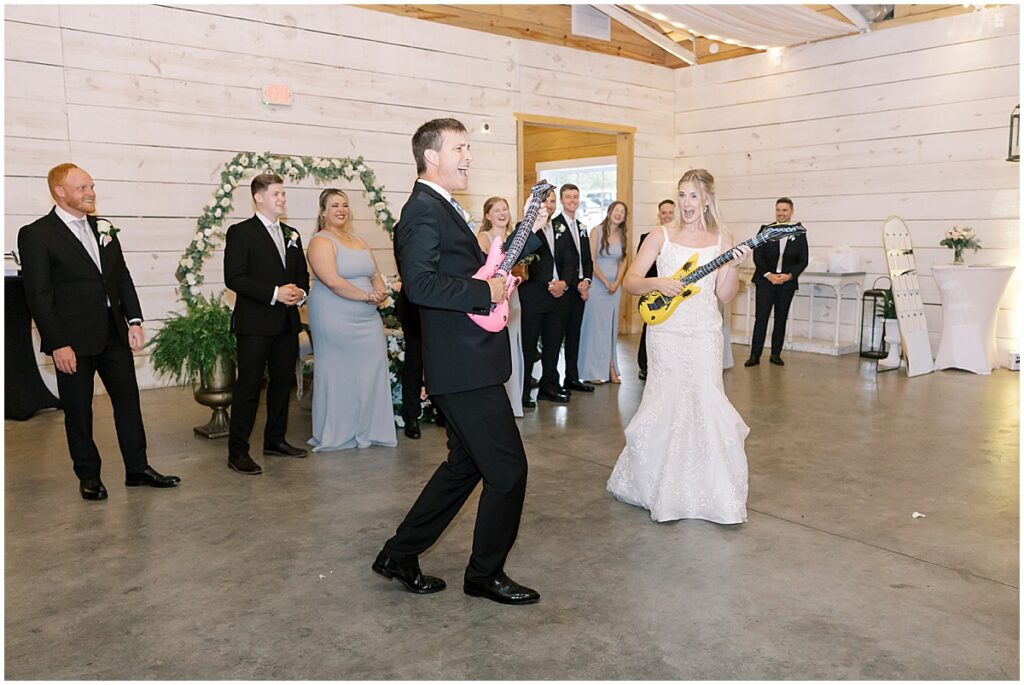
x: 684, y: 453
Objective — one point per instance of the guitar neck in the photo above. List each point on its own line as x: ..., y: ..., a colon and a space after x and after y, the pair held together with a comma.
x: 723, y: 259
x: 519, y: 238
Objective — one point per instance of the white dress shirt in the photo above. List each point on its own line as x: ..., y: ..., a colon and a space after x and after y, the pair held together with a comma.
x: 88, y: 241
x: 782, y: 251
x: 277, y: 235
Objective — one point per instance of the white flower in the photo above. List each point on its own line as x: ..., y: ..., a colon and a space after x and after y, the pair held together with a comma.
x: 244, y: 159
x: 401, y: 356
x: 226, y: 187
x: 236, y: 169
x: 208, y: 232
x: 379, y: 206
x: 184, y: 261
x: 190, y: 278
x: 381, y: 216
x: 217, y: 212
x: 226, y: 202
x: 199, y: 236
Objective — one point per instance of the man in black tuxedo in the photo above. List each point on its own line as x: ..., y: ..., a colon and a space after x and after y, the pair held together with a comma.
x: 265, y: 266
x: 83, y: 300
x: 666, y: 217
x: 545, y: 310
x: 777, y: 266
x: 437, y: 254
x: 573, y: 239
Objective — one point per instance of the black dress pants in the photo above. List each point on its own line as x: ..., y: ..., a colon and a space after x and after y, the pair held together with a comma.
x: 573, y: 324
x: 412, y: 373
x: 548, y: 327
x: 767, y: 297
x: 483, y: 444
x: 276, y: 354
x: 116, y: 367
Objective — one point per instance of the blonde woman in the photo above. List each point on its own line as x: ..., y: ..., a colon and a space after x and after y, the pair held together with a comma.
x: 684, y: 453
x: 599, y: 333
x: 351, y: 391
x: 497, y: 226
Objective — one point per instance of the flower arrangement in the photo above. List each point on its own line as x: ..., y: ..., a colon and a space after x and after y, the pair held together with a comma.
x: 107, y: 233
x: 959, y: 239
x: 322, y: 169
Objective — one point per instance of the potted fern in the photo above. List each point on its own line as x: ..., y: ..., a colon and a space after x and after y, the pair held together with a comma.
x: 198, y: 348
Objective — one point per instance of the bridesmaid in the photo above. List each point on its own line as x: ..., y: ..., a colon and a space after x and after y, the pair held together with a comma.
x: 351, y: 392
x: 497, y: 226
x: 600, y: 330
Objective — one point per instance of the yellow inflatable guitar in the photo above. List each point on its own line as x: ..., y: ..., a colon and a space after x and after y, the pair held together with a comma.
x: 655, y: 307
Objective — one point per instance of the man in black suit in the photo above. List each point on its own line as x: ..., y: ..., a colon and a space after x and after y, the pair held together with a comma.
x: 437, y: 254
x: 777, y: 266
x: 265, y: 266
x: 574, y: 240
x: 666, y: 217
x: 83, y: 300
x: 545, y: 310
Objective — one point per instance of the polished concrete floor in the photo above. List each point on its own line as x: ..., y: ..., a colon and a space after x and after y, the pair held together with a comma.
x: 268, y: 577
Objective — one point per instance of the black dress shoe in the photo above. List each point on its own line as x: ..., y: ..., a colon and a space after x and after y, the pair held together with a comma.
x: 283, y: 449
x: 151, y: 478
x: 409, y: 573
x: 777, y: 360
x: 577, y: 385
x: 529, y: 404
x: 753, y: 361
x: 243, y: 463
x: 532, y: 383
x: 92, y: 488
x: 552, y: 396
x: 501, y: 589
x: 412, y: 431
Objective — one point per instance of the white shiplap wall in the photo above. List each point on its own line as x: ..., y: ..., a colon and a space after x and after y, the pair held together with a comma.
x: 151, y: 100
x: 911, y: 121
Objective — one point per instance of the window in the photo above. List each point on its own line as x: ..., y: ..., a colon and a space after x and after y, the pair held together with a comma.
x: 594, y: 177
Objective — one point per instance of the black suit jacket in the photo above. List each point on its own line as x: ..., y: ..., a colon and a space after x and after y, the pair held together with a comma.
x: 437, y: 254
x: 794, y: 260
x: 252, y: 268
x: 67, y: 295
x: 653, y: 271
x: 533, y: 293
x: 565, y: 242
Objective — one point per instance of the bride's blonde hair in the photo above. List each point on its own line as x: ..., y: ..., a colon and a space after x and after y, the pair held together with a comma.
x: 711, y: 215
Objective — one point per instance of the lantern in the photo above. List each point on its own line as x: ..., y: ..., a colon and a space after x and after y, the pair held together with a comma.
x: 872, y: 324
x: 1013, y: 153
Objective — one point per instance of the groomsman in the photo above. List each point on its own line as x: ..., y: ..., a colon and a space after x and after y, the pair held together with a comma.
x: 573, y: 239
x: 84, y: 303
x: 265, y: 266
x: 666, y: 217
x: 777, y: 266
x: 543, y: 299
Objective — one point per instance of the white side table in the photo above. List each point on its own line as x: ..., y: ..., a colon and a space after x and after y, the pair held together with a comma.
x: 837, y: 281
x: 970, y: 300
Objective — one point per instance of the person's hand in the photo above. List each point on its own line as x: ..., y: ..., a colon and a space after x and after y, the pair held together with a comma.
x: 289, y: 295
x: 557, y: 288
x: 542, y: 217
x: 669, y: 286
x: 499, y: 289
x: 613, y: 288
x: 783, y: 278
x: 136, y: 337
x: 607, y: 285
x: 740, y: 253
x: 65, y: 360
x: 584, y: 288
x: 520, y: 271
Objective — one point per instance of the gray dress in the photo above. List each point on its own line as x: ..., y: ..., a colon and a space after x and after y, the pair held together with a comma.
x: 600, y: 329
x: 351, y: 393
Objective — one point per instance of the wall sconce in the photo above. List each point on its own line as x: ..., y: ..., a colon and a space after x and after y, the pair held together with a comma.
x: 1013, y: 154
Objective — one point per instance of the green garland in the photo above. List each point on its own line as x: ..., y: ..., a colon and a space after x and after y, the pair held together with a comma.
x: 323, y: 169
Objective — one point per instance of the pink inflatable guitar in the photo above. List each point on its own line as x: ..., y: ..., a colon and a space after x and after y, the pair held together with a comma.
x: 499, y: 263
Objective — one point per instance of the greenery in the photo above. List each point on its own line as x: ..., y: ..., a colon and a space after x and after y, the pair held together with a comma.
x: 189, y: 344
x: 889, y: 304
x: 321, y: 169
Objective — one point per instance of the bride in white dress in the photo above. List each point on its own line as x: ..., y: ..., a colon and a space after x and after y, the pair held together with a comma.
x: 684, y: 453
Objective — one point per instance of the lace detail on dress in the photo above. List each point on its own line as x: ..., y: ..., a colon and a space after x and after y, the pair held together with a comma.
x: 684, y: 453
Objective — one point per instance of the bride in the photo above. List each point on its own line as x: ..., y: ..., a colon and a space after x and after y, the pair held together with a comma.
x: 684, y: 453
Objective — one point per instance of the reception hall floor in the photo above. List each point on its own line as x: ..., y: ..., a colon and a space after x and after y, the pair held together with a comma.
x: 234, y: 577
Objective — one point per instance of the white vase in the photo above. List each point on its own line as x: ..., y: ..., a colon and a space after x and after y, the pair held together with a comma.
x: 892, y: 339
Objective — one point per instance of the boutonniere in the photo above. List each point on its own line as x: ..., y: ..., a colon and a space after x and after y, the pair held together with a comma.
x: 559, y: 229
x: 107, y: 230
x: 293, y: 238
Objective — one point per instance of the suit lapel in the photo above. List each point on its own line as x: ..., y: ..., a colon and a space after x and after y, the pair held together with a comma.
x: 460, y: 221
x: 262, y: 230
x: 64, y: 233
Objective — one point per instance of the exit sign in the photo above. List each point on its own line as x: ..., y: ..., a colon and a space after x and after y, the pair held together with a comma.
x: 277, y: 94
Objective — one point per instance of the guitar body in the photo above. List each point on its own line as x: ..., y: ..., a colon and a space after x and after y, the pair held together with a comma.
x: 497, y: 319
x: 655, y: 308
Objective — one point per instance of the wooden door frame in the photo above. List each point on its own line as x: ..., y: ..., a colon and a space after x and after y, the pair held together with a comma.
x: 624, y: 146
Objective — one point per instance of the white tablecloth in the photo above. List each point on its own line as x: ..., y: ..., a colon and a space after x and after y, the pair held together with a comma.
x: 970, y: 300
